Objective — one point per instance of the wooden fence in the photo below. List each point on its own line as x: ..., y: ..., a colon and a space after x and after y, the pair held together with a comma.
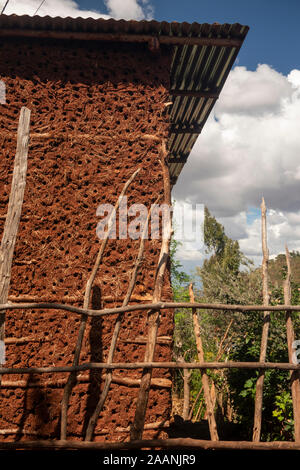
x: 152, y: 309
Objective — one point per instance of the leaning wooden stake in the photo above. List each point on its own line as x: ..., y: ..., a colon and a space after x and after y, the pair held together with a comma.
x: 219, y: 354
x: 108, y: 378
x: 72, y: 377
x: 295, y: 375
x: 205, y: 382
x: 154, y: 315
x: 13, y: 216
x: 265, y: 330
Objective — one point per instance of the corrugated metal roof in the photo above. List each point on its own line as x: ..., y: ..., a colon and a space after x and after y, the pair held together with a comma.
x: 203, y: 55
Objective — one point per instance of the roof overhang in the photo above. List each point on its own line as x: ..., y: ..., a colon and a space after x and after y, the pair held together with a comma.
x: 202, y: 57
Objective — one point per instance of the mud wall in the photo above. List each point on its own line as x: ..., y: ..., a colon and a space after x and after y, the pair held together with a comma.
x: 93, y: 103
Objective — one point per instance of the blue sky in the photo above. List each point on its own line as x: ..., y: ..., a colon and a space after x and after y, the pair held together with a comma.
x: 274, y: 25
x: 250, y: 145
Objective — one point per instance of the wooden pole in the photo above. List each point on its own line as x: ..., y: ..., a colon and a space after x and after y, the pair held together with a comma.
x: 72, y: 378
x: 152, y: 365
x: 154, y: 315
x: 108, y: 379
x: 295, y: 376
x: 145, y: 306
x: 205, y: 382
x: 13, y: 216
x: 186, y: 376
x: 186, y: 393
x: 176, y: 444
x: 265, y: 330
x: 78, y: 136
x: 195, y: 403
x: 123, y: 37
x: 219, y: 354
x: 155, y: 382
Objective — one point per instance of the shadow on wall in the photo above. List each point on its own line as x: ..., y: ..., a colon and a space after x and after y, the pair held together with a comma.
x: 36, y: 410
x: 41, y: 406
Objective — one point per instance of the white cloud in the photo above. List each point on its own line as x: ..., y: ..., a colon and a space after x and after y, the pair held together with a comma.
x: 130, y: 9
x: 126, y: 9
x: 259, y: 92
x: 281, y: 229
x: 61, y: 8
x: 188, y: 223
x: 251, y: 150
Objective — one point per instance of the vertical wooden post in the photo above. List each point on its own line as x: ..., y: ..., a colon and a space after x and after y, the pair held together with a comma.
x: 186, y: 393
x: 88, y: 289
x: 205, y: 382
x: 108, y: 379
x: 295, y: 376
x: 137, y: 427
x: 14, y: 210
x: 265, y: 330
x: 219, y: 354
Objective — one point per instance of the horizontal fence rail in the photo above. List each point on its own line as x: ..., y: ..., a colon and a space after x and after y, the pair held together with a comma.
x: 151, y: 365
x: 148, y: 306
x: 154, y: 443
x: 175, y: 443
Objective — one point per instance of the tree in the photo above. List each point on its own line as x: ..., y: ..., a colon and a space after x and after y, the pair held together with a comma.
x: 229, y: 277
x: 186, y: 383
x: 179, y: 279
x: 224, y: 281
x: 214, y: 234
x: 225, y: 252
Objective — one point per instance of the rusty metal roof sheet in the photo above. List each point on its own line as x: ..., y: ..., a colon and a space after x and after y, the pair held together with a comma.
x: 203, y: 55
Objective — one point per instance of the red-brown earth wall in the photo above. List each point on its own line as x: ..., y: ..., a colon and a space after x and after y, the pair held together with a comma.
x: 93, y: 103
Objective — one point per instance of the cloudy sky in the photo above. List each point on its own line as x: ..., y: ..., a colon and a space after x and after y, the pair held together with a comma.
x: 250, y: 146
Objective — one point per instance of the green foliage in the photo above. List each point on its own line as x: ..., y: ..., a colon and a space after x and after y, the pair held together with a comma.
x: 180, y: 280
x: 277, y: 269
x: 224, y: 281
x: 283, y: 413
x: 183, y: 338
x: 242, y: 382
x: 246, y: 347
x: 225, y: 251
x: 228, y: 277
x: 214, y: 234
x: 249, y: 388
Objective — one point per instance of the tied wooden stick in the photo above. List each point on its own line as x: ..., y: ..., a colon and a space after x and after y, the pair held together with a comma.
x: 265, y: 331
x: 152, y: 365
x: 146, y: 306
x: 295, y: 376
x: 219, y: 354
x: 108, y: 378
x: 12, y: 220
x: 76, y: 136
x: 72, y: 377
x: 153, y: 444
x: 161, y: 383
x: 153, y: 316
x: 205, y: 382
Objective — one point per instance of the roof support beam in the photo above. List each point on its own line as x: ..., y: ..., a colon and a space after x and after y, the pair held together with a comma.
x: 179, y: 159
x: 190, y: 129
x: 121, y: 37
x: 195, y: 94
